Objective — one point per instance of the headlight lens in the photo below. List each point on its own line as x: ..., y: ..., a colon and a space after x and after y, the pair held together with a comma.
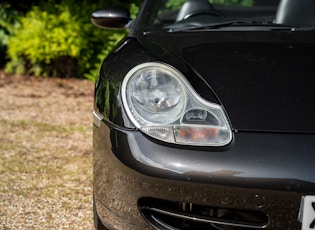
x: 156, y: 96
x: 161, y: 103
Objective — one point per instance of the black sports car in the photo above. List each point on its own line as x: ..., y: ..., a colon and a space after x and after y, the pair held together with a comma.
x: 204, y: 117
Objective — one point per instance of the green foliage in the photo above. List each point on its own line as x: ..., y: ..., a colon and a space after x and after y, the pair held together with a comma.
x: 60, y: 40
x: 44, y: 37
x: 233, y: 2
x: 7, y: 22
x: 175, y: 4
x: 57, y: 38
x: 134, y: 10
x: 7, y: 17
x: 3, y: 47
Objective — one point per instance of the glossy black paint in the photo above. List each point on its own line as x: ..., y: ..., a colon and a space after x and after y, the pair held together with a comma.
x: 262, y: 77
x: 263, y: 80
x: 117, y: 66
x: 111, y: 17
x: 260, y: 177
x: 255, y: 160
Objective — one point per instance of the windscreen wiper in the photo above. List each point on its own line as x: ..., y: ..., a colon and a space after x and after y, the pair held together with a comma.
x: 234, y: 23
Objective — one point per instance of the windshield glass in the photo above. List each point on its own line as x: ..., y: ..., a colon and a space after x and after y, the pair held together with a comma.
x: 176, y: 15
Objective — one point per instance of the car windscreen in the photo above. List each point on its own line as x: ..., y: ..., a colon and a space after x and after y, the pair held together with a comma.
x: 177, y: 15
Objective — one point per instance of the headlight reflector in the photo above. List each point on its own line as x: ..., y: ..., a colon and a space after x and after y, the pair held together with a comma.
x: 161, y: 103
x: 156, y: 96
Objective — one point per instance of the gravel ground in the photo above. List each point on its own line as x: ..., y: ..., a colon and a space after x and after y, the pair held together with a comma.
x: 45, y: 153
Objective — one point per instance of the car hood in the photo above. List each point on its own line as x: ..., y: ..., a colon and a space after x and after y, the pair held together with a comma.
x: 263, y: 79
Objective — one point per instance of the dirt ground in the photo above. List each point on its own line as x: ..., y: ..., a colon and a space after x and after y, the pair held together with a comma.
x: 45, y: 153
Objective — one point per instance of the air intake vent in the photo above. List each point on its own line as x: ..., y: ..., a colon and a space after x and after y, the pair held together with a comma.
x: 164, y: 214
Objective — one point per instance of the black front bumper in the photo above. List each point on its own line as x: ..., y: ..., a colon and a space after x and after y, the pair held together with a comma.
x: 261, y: 177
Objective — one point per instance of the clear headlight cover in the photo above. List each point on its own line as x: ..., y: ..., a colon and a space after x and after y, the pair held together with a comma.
x: 161, y: 103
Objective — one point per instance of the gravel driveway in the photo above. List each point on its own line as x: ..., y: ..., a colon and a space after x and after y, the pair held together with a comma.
x: 45, y: 153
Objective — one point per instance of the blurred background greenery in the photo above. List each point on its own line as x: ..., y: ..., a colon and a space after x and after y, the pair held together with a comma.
x: 56, y: 37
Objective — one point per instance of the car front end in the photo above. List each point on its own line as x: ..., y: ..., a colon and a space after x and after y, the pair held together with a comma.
x: 206, y: 127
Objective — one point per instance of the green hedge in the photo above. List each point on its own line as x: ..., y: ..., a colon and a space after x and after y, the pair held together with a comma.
x: 7, y: 22
x: 60, y: 40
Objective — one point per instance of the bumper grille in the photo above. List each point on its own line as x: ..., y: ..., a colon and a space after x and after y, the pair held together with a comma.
x: 163, y: 214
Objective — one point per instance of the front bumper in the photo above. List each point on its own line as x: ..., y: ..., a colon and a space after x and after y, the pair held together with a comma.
x: 261, y: 173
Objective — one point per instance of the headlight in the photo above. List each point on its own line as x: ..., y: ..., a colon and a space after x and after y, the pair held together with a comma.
x: 161, y: 103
